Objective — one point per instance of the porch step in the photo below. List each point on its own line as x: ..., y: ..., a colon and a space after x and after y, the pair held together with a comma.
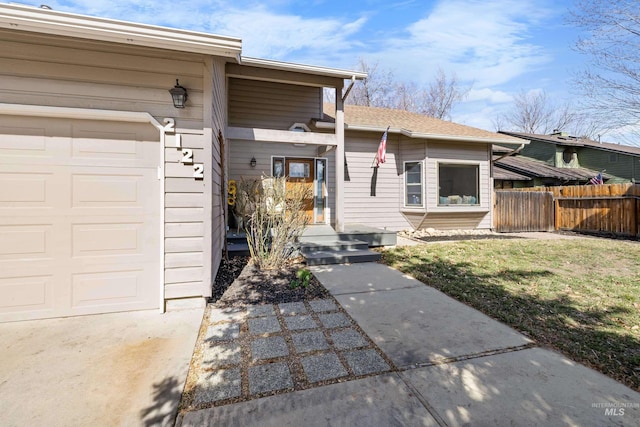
x: 332, y: 245
x: 237, y: 244
x: 373, y: 236
x: 341, y: 256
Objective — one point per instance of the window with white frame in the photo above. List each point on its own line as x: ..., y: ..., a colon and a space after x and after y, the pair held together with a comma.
x: 458, y: 184
x: 413, y: 184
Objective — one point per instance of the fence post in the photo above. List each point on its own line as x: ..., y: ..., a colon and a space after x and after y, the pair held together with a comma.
x: 556, y: 213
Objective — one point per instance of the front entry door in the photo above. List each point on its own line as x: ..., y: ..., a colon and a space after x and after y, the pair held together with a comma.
x: 301, y: 172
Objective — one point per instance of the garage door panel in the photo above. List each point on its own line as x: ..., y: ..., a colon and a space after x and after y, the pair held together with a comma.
x: 79, y: 225
x: 31, y: 293
x: 91, y: 240
x: 19, y: 242
x: 107, y: 288
x: 126, y: 146
x: 106, y: 190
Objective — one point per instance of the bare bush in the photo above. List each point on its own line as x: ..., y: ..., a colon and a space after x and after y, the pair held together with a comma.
x: 274, y: 217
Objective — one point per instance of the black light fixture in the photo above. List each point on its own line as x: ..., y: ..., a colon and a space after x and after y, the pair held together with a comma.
x: 252, y: 163
x: 179, y: 95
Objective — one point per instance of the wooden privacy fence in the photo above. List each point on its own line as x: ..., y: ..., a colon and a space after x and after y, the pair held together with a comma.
x: 610, y: 208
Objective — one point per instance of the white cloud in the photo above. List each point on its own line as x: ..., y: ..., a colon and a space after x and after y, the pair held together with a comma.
x: 490, y: 95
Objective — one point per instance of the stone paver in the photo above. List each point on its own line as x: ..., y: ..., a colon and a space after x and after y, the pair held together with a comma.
x: 334, y: 320
x: 269, y: 377
x: 292, y: 308
x: 231, y: 314
x: 347, y: 339
x: 323, y: 367
x: 309, y: 341
x: 261, y: 311
x: 218, y: 385
x: 295, y: 323
x: 322, y: 305
x: 222, y: 332
x: 220, y: 355
x: 268, y: 348
x: 264, y: 325
x: 363, y: 362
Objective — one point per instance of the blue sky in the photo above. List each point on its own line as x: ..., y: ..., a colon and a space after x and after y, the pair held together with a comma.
x: 500, y: 47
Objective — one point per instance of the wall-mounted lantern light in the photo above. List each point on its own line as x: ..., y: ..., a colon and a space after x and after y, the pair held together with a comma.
x: 252, y: 163
x: 179, y: 95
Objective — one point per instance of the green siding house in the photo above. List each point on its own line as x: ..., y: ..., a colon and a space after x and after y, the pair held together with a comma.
x: 620, y: 162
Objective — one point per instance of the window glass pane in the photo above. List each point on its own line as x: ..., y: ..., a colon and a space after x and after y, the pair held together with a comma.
x: 278, y: 167
x: 458, y: 184
x: 298, y: 170
x: 413, y: 183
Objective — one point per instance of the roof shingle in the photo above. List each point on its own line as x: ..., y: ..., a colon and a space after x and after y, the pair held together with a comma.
x: 413, y: 124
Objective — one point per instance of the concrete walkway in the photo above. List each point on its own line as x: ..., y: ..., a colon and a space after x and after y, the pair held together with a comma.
x: 120, y: 369
x: 456, y: 367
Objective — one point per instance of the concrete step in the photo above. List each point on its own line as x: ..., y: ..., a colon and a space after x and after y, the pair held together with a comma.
x: 332, y: 245
x: 341, y: 256
x: 238, y: 248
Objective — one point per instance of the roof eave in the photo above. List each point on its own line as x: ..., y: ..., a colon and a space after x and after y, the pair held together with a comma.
x: 47, y: 21
x: 303, y: 68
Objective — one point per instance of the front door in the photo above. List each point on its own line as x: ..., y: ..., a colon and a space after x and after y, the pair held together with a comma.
x: 300, y: 173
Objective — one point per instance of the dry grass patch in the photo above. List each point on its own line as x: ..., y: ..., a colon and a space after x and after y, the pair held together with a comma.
x: 579, y: 296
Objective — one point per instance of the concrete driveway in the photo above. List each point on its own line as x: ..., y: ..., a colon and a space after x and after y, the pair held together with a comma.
x: 122, y: 369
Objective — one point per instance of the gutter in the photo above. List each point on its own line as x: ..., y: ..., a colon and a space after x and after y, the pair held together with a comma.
x: 46, y: 21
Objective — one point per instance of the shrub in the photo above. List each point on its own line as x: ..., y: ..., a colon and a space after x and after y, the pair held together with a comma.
x: 274, y: 217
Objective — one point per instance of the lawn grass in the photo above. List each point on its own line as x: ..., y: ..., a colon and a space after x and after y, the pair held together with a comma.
x: 578, y: 296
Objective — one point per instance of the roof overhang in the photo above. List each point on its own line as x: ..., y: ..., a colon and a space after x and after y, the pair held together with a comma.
x: 302, y: 68
x: 46, y: 21
x: 422, y: 135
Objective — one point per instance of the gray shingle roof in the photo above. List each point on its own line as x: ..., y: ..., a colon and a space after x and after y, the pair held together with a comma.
x: 576, y: 142
x: 412, y: 124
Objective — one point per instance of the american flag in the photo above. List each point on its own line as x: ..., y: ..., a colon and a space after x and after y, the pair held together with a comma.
x: 381, y: 157
x: 597, y: 180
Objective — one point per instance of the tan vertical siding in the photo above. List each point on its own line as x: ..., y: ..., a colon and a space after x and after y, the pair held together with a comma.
x: 271, y: 105
x: 372, y: 198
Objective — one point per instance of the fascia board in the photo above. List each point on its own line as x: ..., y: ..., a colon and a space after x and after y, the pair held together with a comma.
x: 66, y: 24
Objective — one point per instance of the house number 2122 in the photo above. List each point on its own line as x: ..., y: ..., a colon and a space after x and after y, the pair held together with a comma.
x: 187, y: 158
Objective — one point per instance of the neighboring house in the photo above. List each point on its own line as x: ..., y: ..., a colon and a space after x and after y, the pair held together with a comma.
x: 112, y: 199
x: 436, y: 174
x: 621, y: 162
x: 512, y: 170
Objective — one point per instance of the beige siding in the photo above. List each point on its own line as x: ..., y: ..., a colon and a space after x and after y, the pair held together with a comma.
x: 184, y: 218
x: 65, y: 72
x: 446, y: 217
x: 218, y: 119
x: 455, y: 221
x: 272, y: 105
x: 369, y: 198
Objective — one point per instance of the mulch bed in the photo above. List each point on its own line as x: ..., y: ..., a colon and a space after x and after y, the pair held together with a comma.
x: 239, y: 283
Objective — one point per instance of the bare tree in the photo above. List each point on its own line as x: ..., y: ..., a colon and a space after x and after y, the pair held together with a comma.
x: 533, y: 112
x: 441, y: 95
x: 380, y: 90
x: 611, y: 81
x: 375, y: 89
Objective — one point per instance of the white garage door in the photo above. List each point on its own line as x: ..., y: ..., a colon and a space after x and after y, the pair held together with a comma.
x: 79, y: 217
